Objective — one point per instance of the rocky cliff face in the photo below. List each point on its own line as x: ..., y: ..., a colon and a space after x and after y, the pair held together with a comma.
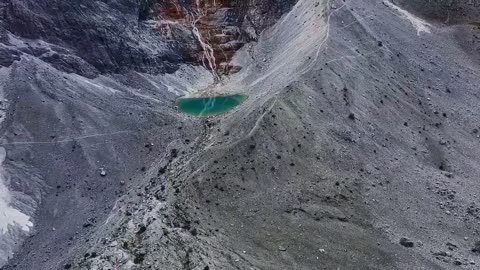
x: 219, y: 27
x: 146, y: 36
x: 112, y: 42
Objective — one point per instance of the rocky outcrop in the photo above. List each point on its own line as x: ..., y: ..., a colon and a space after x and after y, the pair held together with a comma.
x: 107, y: 36
x: 220, y: 27
x: 146, y: 36
x: 8, y: 56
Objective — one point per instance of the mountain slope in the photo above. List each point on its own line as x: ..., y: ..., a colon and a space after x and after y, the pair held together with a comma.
x: 356, y: 148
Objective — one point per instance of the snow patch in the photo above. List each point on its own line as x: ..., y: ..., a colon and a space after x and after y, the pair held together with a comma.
x: 9, y: 216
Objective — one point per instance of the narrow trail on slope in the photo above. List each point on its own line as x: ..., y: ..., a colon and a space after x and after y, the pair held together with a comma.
x: 71, y: 139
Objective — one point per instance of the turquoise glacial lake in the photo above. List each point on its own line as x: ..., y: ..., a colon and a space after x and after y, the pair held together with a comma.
x: 207, y: 106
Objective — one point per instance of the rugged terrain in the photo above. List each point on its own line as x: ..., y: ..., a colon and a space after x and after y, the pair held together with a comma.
x: 357, y: 148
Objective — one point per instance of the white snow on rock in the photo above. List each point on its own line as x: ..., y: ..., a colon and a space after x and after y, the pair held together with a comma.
x: 9, y: 216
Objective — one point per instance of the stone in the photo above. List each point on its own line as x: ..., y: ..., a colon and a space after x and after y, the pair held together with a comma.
x: 441, y: 254
x: 476, y: 247
x: 142, y: 229
x: 406, y: 243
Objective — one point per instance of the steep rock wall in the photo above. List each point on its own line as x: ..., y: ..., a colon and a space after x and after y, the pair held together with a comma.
x: 145, y: 36
x: 220, y: 27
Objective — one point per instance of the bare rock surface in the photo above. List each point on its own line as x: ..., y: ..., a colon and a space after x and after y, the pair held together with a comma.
x: 357, y: 148
x: 445, y: 11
